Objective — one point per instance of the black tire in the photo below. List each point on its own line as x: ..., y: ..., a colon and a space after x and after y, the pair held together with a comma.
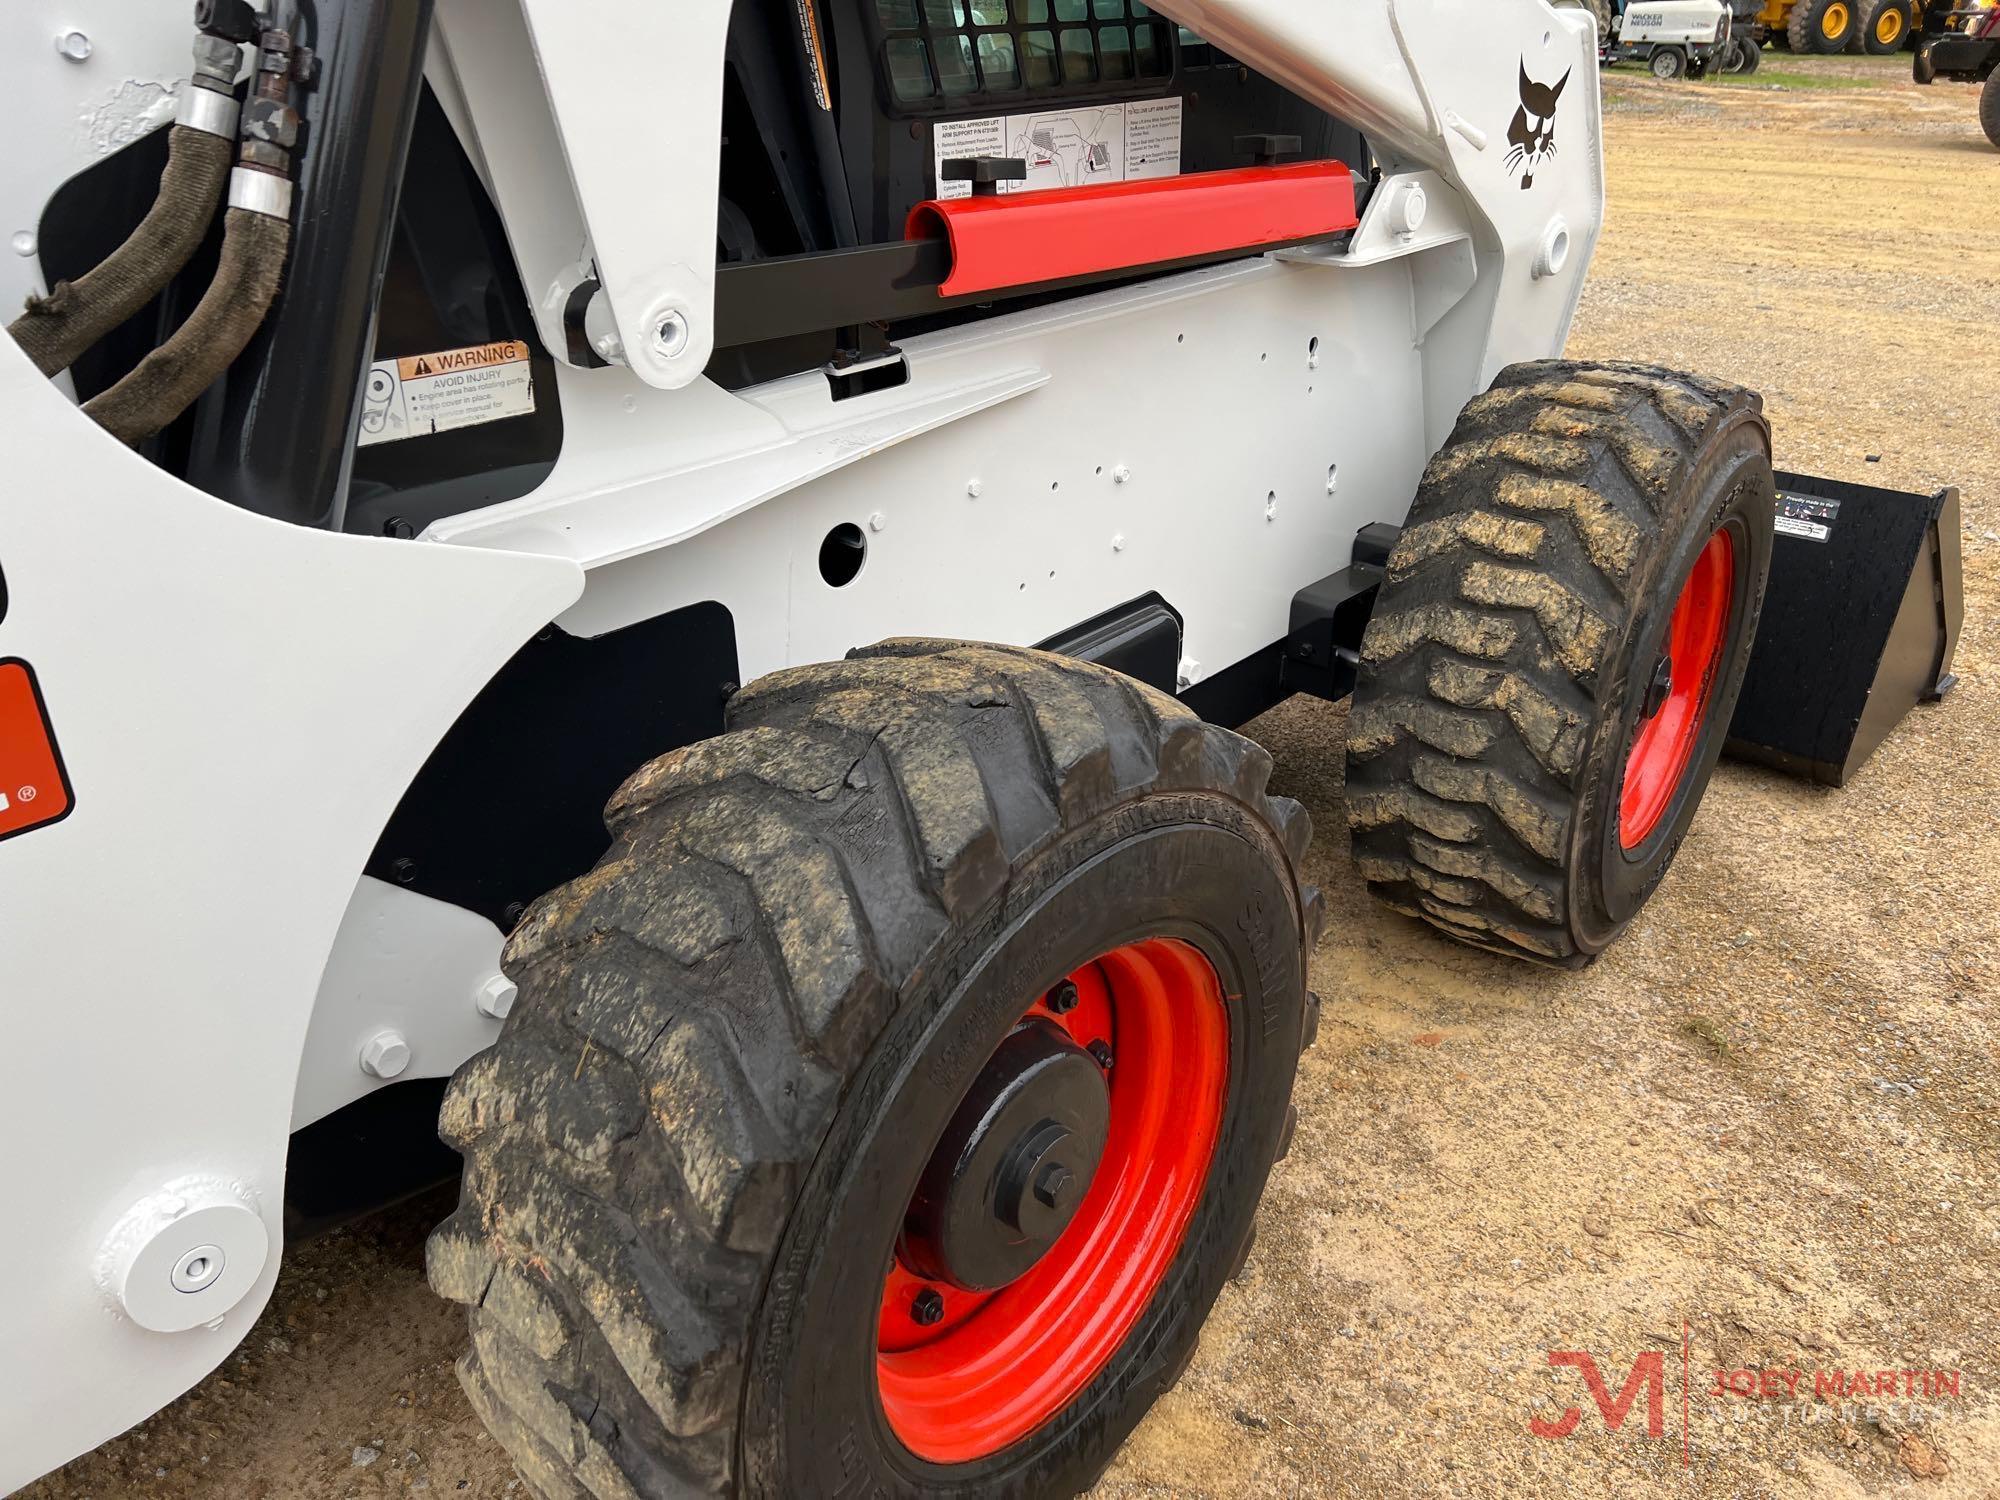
x: 1505, y: 668
x: 1878, y: 16
x: 1807, y: 28
x: 1666, y: 63
x: 1601, y: 9
x: 735, y: 1039
x: 1989, y: 107
x: 1751, y: 57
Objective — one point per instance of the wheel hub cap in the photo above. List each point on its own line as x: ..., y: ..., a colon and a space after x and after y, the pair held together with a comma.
x: 1049, y: 1213
x: 1659, y: 687
x: 1013, y: 1165
x: 1675, y: 707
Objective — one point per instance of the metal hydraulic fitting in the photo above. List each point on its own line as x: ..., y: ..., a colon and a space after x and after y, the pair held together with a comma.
x: 272, y: 122
x: 216, y: 62
x: 262, y: 181
x: 274, y: 54
x: 209, y: 104
x: 232, y: 21
x: 266, y: 156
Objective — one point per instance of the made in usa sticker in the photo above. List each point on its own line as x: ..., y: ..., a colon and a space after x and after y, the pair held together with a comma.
x: 1806, y: 516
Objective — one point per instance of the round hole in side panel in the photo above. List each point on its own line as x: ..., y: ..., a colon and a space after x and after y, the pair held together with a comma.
x: 1558, y: 251
x: 842, y: 554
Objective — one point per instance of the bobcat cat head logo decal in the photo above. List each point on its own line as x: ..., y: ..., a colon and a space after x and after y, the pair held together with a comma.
x: 1531, y: 138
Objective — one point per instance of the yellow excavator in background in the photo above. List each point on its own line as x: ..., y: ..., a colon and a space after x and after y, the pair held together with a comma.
x: 1826, y: 26
x: 1822, y: 26
x: 1877, y: 26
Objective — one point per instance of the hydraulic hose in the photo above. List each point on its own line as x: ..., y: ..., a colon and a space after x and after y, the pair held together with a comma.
x: 57, y: 328
x: 166, y: 382
x: 256, y: 239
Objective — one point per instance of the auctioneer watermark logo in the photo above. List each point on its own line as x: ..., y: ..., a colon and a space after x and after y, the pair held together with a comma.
x: 1838, y: 1398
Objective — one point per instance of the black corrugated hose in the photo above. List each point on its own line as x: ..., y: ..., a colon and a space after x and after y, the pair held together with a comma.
x: 57, y: 328
x: 167, y: 381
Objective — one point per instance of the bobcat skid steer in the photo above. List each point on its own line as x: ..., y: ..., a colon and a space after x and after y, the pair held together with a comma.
x: 680, y: 566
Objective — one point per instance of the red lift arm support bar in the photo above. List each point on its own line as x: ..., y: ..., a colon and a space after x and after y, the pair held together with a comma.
x: 1019, y: 239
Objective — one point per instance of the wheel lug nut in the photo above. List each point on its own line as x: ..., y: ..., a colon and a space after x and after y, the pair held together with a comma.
x: 1062, y: 999
x: 1055, y: 1185
x: 1100, y: 1050
x: 927, y: 1308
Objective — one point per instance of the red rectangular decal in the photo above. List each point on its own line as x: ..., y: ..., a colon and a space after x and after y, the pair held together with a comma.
x: 34, y: 791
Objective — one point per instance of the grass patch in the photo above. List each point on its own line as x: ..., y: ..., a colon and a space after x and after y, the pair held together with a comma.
x: 1766, y: 77
x: 1710, y: 1033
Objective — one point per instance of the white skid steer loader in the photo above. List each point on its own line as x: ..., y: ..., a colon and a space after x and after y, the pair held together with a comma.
x: 680, y: 566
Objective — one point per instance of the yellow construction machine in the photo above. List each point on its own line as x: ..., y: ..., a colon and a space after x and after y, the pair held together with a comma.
x: 1826, y: 26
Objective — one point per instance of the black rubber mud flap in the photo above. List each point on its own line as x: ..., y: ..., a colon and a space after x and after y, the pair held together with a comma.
x: 691, y: 1158
x: 1520, y: 652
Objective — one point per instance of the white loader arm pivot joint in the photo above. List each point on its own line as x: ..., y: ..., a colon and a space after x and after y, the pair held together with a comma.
x: 646, y: 186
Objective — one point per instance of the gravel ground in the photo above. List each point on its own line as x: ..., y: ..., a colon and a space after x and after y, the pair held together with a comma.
x: 1762, y: 1134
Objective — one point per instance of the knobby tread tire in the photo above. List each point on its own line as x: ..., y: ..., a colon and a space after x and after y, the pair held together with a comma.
x: 1482, y: 669
x: 1802, y: 28
x: 1989, y: 107
x: 691, y: 1010
x: 1871, y: 12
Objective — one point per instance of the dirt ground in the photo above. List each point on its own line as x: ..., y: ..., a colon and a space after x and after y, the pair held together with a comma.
x: 1768, y: 1123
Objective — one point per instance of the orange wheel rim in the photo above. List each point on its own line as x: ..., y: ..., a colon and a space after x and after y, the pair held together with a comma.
x: 1697, y: 638
x: 1834, y: 21
x: 976, y: 1371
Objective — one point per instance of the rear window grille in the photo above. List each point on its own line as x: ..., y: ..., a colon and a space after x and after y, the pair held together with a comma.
x: 964, y: 56
x: 1196, y: 53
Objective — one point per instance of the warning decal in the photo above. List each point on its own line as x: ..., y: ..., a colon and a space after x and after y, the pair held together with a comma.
x: 430, y: 393
x: 34, y: 791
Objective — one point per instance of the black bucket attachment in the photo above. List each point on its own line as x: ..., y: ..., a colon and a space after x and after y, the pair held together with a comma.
x: 1859, y: 625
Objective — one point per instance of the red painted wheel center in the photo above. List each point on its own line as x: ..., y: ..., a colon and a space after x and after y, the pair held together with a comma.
x: 964, y: 1373
x: 1682, y: 683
